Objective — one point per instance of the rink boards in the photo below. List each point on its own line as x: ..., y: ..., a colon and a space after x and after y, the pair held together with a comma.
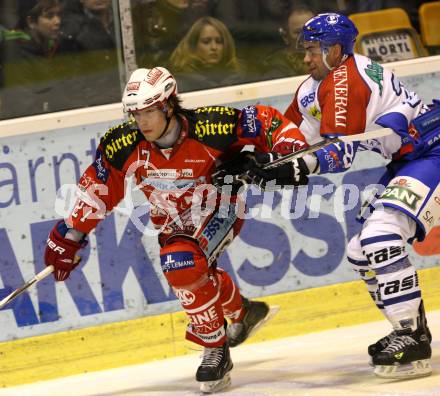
x: 159, y: 337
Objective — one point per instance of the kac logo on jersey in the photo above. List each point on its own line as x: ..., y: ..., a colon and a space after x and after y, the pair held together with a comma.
x: 250, y: 124
x: 176, y: 261
x: 185, y: 296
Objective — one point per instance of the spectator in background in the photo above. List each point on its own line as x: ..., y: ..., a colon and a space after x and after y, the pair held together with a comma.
x: 30, y: 59
x: 89, y: 24
x: 159, y: 25
x: 206, y: 57
x: 38, y: 30
x: 253, y: 25
x: 288, y: 61
x: 8, y: 20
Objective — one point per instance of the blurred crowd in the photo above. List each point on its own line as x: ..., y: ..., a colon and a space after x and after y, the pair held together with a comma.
x: 57, y: 55
x: 63, y: 54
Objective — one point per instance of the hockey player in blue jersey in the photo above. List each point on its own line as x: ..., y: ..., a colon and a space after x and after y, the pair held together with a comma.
x: 348, y: 94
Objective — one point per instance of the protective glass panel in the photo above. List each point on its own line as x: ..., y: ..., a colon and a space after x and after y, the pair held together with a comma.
x: 64, y: 54
x: 58, y: 56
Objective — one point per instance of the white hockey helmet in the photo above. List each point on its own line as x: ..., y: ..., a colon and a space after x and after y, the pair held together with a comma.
x: 148, y: 87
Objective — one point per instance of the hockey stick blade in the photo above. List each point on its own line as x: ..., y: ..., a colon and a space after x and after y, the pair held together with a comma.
x: 41, y: 275
x: 38, y: 277
x: 339, y: 139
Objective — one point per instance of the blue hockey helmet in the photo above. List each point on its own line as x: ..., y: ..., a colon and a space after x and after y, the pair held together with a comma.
x: 330, y: 29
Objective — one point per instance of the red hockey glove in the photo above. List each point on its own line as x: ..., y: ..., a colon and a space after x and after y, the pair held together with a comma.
x: 60, y: 252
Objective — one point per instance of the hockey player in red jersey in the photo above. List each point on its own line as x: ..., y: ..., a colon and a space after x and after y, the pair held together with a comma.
x: 171, y: 152
x: 348, y: 94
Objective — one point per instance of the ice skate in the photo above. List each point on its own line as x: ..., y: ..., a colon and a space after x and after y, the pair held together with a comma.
x: 213, y: 373
x: 381, y: 344
x: 406, y: 356
x: 257, y: 313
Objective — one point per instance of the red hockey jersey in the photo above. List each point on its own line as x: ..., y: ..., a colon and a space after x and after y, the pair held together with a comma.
x: 175, y: 179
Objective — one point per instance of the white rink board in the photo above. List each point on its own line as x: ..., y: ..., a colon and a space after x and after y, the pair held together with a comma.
x: 120, y: 277
x: 330, y: 363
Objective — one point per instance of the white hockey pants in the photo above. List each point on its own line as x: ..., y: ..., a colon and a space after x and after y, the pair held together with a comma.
x: 378, y: 253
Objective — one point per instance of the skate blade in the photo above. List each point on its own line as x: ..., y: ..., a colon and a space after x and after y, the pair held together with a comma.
x: 216, y: 386
x: 416, y: 369
x: 273, y: 310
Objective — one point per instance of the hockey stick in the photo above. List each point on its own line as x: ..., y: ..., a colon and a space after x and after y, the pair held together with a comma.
x: 38, y: 277
x: 339, y: 139
x: 41, y: 275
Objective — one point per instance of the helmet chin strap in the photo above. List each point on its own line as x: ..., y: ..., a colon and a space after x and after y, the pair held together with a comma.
x: 168, y: 118
x: 168, y: 138
x: 325, y: 52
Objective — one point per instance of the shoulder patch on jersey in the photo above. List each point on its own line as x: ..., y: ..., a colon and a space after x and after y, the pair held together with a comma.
x: 315, y: 113
x: 274, y: 125
x: 249, y: 122
x: 119, y: 142
x: 375, y: 72
x: 215, y: 126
